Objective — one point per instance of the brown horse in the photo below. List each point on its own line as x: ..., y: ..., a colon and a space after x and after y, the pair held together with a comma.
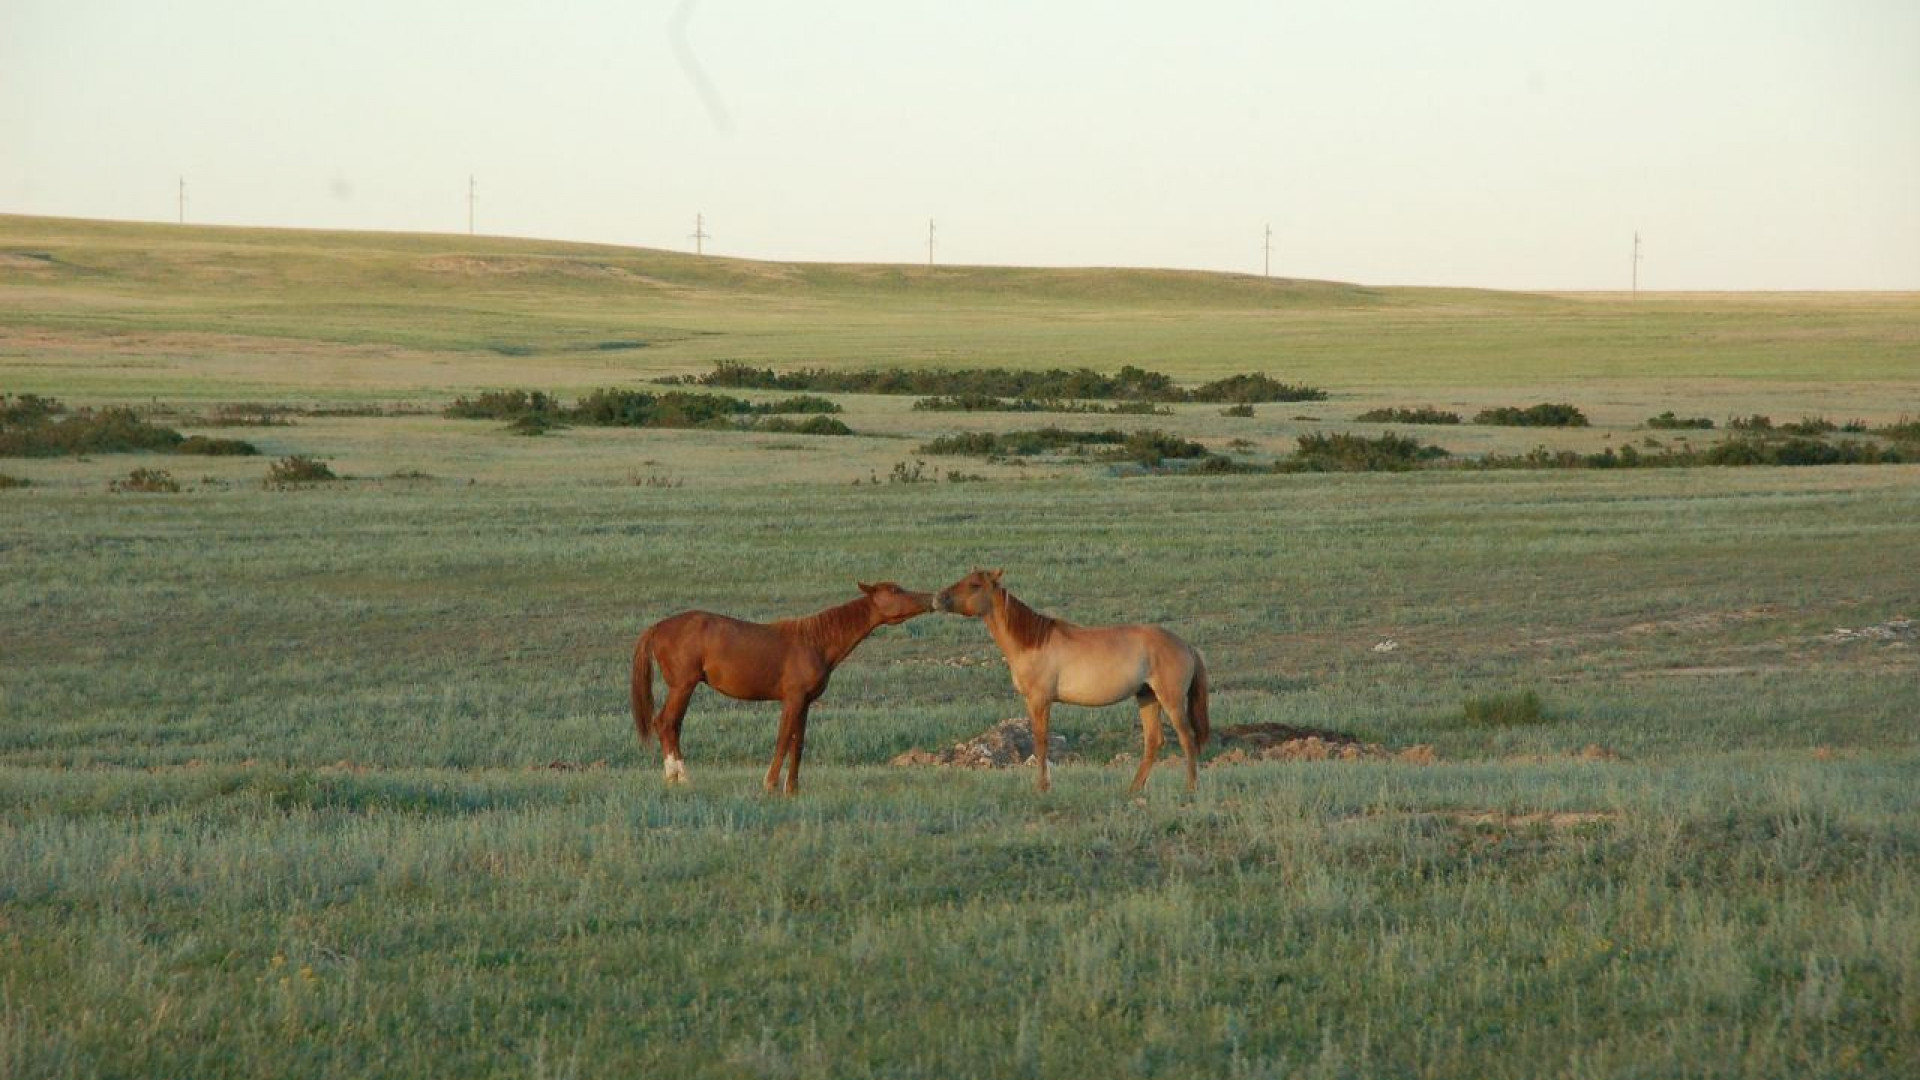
x: 1054, y: 660
x: 787, y: 661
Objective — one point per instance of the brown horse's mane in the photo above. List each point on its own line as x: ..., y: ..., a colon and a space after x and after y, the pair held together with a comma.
x: 1028, y: 627
x: 836, y: 625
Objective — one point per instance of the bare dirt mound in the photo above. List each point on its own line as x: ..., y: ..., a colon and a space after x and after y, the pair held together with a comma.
x: 1242, y: 744
x: 1005, y: 745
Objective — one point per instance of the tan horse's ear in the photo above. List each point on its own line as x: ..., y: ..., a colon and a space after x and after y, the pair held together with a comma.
x: 866, y: 588
x: 995, y: 575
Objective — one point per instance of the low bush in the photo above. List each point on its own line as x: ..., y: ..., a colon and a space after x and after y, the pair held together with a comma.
x: 1667, y: 421
x: 146, y: 481
x: 7, y: 481
x: 1811, y: 426
x: 1756, y: 422
x: 1545, y: 414
x: 812, y: 425
x: 298, y: 471
x: 1504, y: 710
x: 989, y: 403
x: 503, y: 405
x: 200, y: 444
x: 1242, y: 410
x: 51, y: 433
x: 27, y: 409
x: 1905, y: 429
x: 1054, y: 384
x: 1342, y: 452
x: 1425, y: 414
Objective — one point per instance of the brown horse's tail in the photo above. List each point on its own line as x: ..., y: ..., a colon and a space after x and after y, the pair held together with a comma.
x: 1197, y: 701
x: 643, y: 686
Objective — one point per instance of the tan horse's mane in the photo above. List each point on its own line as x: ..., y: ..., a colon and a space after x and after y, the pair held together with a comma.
x: 834, y: 626
x: 1028, y: 627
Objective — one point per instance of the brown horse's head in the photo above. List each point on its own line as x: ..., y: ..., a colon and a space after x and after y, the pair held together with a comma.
x: 971, y: 596
x: 895, y: 604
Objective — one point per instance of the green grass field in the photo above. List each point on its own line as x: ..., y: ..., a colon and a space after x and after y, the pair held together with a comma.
x: 339, y: 781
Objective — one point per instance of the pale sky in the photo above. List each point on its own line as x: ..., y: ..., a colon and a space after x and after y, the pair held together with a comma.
x: 1753, y: 143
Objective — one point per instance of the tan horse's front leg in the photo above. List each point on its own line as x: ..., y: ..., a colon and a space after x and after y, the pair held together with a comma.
x: 1039, y: 710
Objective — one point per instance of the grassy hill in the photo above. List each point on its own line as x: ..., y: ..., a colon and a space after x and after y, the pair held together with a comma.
x: 87, y: 307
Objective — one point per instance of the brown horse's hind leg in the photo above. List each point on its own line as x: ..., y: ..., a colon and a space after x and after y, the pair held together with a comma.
x: 1150, y: 728
x: 1176, y: 707
x: 674, y: 767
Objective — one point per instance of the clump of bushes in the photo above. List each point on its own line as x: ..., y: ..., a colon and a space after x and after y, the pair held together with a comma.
x: 812, y: 425
x: 200, y: 444
x: 1545, y: 414
x: 1242, y: 410
x: 1146, y: 447
x: 1425, y: 414
x: 988, y: 403
x: 8, y: 481
x: 534, y: 412
x: 1667, y: 421
x: 34, y: 430
x: 1128, y: 384
x: 146, y: 481
x: 1343, y: 452
x: 298, y: 471
x: 1811, y: 426
x: 1903, y: 430
x: 1756, y: 422
x: 1504, y: 710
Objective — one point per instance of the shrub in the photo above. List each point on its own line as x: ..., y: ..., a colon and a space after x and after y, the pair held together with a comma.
x: 1904, y: 430
x: 1545, y: 414
x: 533, y: 424
x: 298, y: 470
x: 1152, y: 446
x: 1811, y: 426
x: 1343, y: 452
x: 7, y: 481
x: 107, y: 431
x: 1756, y: 422
x: 1130, y: 383
x: 27, y: 409
x: 1504, y: 710
x: 1256, y: 387
x: 147, y: 481
x: 800, y: 403
x: 1425, y: 414
x: 1242, y: 409
x: 503, y: 405
x: 200, y: 444
x: 812, y: 425
x: 1668, y: 421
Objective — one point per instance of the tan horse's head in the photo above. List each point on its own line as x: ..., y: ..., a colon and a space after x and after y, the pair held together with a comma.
x: 971, y: 596
x: 895, y: 604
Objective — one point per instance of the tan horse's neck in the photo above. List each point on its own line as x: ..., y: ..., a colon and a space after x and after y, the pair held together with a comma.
x: 836, y: 630
x: 1015, y: 627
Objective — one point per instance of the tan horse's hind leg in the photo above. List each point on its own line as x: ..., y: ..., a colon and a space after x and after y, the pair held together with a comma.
x: 1150, y: 730
x: 1175, y: 705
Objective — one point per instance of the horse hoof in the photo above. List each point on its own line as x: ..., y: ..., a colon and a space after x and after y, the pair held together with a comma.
x: 675, y: 771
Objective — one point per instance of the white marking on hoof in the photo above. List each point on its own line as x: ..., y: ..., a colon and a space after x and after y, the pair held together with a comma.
x: 675, y: 771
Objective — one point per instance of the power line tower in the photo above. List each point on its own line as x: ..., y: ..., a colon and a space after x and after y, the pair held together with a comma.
x: 1636, y: 264
x: 1266, y: 269
x: 183, y: 200
x: 700, y: 234
x: 473, y: 195
x: 929, y: 242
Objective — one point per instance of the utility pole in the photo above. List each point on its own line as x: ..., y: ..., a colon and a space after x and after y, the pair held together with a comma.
x: 1267, y: 267
x: 700, y: 235
x: 929, y: 243
x: 472, y: 196
x: 183, y: 200
x: 1636, y: 264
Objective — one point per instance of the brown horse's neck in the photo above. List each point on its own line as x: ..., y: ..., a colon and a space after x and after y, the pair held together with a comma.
x: 1015, y: 626
x: 837, y: 630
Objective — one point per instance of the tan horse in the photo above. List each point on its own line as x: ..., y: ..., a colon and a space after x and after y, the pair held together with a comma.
x: 1054, y: 660
x: 787, y: 661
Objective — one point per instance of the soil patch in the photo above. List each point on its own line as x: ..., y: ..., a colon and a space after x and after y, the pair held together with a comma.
x: 1005, y: 745
x: 1242, y: 744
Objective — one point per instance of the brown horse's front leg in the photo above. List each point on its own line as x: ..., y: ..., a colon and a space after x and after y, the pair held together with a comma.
x: 782, y: 743
x: 797, y: 750
x: 1039, y: 710
x: 674, y: 767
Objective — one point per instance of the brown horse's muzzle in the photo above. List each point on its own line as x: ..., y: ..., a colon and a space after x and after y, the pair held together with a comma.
x: 942, y: 602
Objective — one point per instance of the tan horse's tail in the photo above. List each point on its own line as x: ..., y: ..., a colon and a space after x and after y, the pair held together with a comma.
x: 643, y: 686
x: 1197, y: 701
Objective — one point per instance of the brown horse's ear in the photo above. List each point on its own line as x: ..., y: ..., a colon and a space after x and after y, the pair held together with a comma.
x: 866, y: 588
x: 995, y: 575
